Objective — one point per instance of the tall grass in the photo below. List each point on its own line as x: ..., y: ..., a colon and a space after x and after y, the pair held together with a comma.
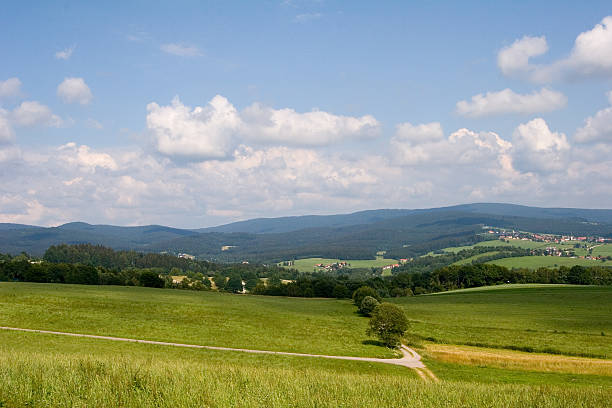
x: 45, y: 380
x: 514, y: 360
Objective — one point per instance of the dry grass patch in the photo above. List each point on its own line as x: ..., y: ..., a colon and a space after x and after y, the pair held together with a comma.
x: 517, y: 360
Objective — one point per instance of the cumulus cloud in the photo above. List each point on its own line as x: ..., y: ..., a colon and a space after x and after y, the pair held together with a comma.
x: 316, y: 128
x: 514, y: 59
x: 597, y: 128
x: 10, y: 88
x: 214, y: 131
x: 33, y: 113
x: 426, y: 144
x: 74, y: 90
x: 537, y: 148
x: 65, y: 54
x: 591, y: 56
x: 508, y: 101
x: 83, y: 157
x: 201, y: 133
x: 182, y: 50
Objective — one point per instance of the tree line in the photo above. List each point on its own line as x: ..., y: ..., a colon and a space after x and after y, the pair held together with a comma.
x: 129, y: 268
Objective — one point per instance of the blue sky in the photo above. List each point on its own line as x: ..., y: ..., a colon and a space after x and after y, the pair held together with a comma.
x: 294, y: 107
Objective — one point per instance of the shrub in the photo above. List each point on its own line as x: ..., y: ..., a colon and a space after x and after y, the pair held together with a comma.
x: 368, y: 304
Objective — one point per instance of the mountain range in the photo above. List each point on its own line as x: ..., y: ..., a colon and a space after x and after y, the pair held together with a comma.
x: 359, y: 235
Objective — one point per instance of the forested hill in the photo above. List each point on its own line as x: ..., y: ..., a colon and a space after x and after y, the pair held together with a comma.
x: 288, y: 224
x: 402, y: 233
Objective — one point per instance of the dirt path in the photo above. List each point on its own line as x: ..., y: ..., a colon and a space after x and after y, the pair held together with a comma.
x: 410, y: 358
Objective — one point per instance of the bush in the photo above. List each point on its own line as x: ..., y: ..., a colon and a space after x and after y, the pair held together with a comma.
x: 362, y: 292
x: 388, y: 323
x: 151, y: 280
x: 368, y: 304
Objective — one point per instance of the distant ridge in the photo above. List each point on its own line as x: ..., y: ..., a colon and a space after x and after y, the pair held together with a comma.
x: 359, y: 235
x: 295, y: 223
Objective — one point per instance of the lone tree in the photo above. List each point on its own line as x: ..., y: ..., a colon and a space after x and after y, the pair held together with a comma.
x: 388, y: 323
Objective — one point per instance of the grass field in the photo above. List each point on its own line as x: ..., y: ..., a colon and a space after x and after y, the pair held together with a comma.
x: 534, y: 262
x: 474, y: 258
x: 308, y: 264
x: 207, y: 318
x: 566, y: 320
x: 47, y: 370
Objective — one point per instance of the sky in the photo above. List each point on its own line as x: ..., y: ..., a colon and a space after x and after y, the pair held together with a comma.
x: 199, y: 113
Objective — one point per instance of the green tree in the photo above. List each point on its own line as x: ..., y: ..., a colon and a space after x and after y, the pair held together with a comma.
x: 362, y: 292
x: 368, y: 304
x: 234, y: 284
x: 388, y: 323
x: 151, y: 280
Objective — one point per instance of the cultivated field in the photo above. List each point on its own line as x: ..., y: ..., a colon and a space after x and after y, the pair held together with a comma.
x: 49, y: 370
x: 308, y: 264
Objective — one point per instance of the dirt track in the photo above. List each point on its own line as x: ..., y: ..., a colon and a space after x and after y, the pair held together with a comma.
x: 410, y: 358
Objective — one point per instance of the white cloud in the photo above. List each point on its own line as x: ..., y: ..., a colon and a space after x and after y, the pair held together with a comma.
x: 214, y: 131
x: 10, y: 88
x: 202, y: 133
x: 508, y: 101
x: 7, y: 134
x: 537, y: 148
x: 182, y: 50
x: 316, y: 128
x: 424, y: 133
x: 33, y: 113
x: 425, y: 144
x: 590, y: 57
x: 65, y: 54
x: 74, y: 90
x: 514, y: 59
x: 597, y: 128
x: 85, y: 159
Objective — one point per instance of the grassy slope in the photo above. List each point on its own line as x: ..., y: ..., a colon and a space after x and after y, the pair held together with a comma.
x: 319, y: 326
x: 308, y: 264
x: 562, y: 319
x: 46, y: 370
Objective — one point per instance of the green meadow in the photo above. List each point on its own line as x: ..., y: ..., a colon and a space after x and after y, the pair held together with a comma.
x: 207, y: 318
x: 571, y: 320
x: 49, y: 370
x: 534, y: 262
